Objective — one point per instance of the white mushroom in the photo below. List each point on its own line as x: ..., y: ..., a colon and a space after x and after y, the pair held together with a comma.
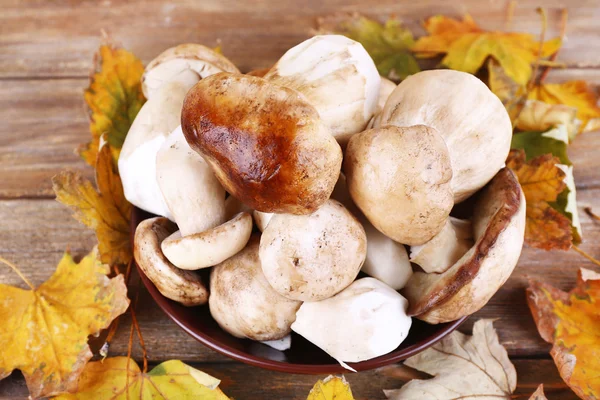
x: 386, y: 89
x: 386, y: 259
x: 312, y: 257
x: 366, y: 320
x: 445, y: 248
x: 242, y: 301
x: 283, y: 344
x: 470, y: 118
x: 184, y: 287
x: 187, y: 61
x: 337, y: 76
x: 262, y: 219
x: 498, y: 228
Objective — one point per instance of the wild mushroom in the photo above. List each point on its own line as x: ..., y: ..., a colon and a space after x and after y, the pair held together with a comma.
x: 498, y: 228
x: 190, y: 61
x: 400, y: 179
x: 366, y: 320
x: 242, y: 301
x: 261, y: 219
x: 385, y: 90
x: 445, y: 248
x: 470, y: 118
x: 266, y: 144
x: 283, y: 344
x: 337, y: 76
x: 386, y: 259
x: 184, y: 287
x: 312, y: 257
x: 196, y: 199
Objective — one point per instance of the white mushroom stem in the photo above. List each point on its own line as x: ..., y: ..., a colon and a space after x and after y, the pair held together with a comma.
x: 385, y: 90
x: 137, y: 162
x: 366, y: 320
x: 283, y: 344
x: 261, y: 219
x: 447, y: 247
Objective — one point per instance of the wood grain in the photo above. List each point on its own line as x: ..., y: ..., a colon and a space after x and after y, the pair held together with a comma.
x: 243, y: 382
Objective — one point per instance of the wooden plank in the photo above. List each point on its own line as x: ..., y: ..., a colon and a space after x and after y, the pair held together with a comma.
x: 44, y: 39
x: 244, y: 382
x: 44, y: 120
x: 34, y: 233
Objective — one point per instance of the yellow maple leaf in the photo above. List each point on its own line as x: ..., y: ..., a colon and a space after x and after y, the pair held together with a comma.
x: 106, y: 210
x: 120, y: 378
x: 44, y: 331
x: 114, y: 98
x: 542, y: 181
x: 467, y: 46
x: 570, y: 322
x: 331, y: 388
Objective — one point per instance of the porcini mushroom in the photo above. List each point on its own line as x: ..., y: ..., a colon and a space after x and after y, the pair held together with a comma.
x: 366, y: 320
x: 386, y: 259
x: 242, y: 301
x: 498, y: 228
x: 266, y: 143
x: 337, y: 76
x: 188, y: 61
x: 470, y: 118
x: 182, y: 286
x: 385, y: 90
x: 196, y: 199
x: 312, y: 257
x: 400, y: 180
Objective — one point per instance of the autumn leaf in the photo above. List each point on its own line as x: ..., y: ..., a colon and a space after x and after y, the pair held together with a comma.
x: 331, y: 388
x: 462, y: 367
x: 388, y: 44
x: 538, y: 394
x: 542, y: 181
x: 466, y: 47
x: 114, y: 98
x: 44, y: 331
x: 121, y: 378
x: 571, y: 323
x: 106, y: 210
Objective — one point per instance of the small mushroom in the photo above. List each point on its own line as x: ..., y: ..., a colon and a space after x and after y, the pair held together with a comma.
x: 337, y: 76
x: 196, y: 199
x: 184, y: 287
x: 312, y: 257
x: 470, y: 118
x: 242, y: 301
x: 366, y: 320
x: 266, y: 144
x: 400, y: 179
x: 386, y: 89
x: 498, y: 228
x: 190, y: 61
x: 386, y: 259
x: 445, y: 248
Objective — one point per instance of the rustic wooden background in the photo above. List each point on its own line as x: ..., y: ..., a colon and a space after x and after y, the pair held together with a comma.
x: 46, y: 48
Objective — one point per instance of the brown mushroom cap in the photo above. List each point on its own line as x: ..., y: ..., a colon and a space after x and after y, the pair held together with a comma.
x: 400, y: 179
x: 266, y: 144
x: 498, y: 227
x: 242, y: 301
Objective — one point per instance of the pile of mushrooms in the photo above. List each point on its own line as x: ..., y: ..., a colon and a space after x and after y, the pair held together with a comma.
x: 289, y: 182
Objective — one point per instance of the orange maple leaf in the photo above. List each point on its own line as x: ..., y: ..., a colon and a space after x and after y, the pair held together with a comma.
x: 571, y: 323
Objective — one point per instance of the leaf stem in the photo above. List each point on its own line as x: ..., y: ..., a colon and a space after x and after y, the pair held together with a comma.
x: 510, y: 12
x: 590, y: 212
x: 564, y: 16
x: 586, y: 255
x: 17, y: 271
x: 542, y: 12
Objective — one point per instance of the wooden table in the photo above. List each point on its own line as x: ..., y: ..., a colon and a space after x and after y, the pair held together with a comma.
x: 46, y: 49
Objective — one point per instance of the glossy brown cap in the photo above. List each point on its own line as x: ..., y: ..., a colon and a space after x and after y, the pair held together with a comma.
x: 266, y: 143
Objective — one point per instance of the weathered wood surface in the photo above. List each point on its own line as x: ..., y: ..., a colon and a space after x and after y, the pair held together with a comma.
x: 45, y: 57
x: 244, y: 382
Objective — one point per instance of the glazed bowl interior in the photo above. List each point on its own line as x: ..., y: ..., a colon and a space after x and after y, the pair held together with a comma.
x: 303, y: 357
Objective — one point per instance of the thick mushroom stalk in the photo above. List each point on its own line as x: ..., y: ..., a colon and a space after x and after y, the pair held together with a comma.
x: 312, y: 257
x: 445, y: 248
x: 337, y: 76
x: 386, y: 89
x: 498, y: 228
x: 366, y: 320
x: 470, y: 118
x: 190, y: 61
x: 184, y: 287
x: 400, y: 179
x: 197, y: 201
x: 242, y: 301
